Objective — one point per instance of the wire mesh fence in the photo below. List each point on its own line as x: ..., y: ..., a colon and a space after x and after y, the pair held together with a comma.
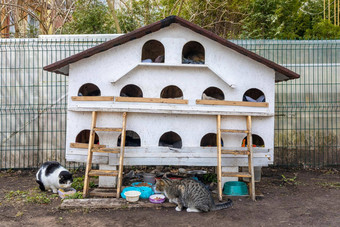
x: 33, y: 106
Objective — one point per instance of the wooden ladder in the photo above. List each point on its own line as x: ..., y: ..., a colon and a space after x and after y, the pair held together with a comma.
x: 91, y: 149
x: 248, y: 152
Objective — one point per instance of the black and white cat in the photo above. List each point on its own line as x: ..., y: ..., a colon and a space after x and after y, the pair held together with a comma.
x: 52, y: 175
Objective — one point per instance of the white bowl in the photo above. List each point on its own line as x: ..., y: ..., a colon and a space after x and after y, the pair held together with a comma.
x: 132, y: 196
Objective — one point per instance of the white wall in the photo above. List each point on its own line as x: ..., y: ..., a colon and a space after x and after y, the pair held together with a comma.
x: 120, y: 64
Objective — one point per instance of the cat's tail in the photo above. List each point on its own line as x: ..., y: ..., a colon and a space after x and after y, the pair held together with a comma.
x: 225, y: 205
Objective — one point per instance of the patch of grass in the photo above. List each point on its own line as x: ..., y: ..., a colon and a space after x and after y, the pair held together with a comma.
x: 31, y: 196
x: 77, y: 195
x: 335, y: 185
x: 78, y: 183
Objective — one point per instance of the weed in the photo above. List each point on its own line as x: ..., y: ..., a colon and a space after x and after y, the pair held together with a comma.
x: 77, y: 195
x: 19, y: 214
x: 210, y: 177
x: 31, y: 196
x: 289, y: 181
x: 78, y: 183
x: 335, y: 185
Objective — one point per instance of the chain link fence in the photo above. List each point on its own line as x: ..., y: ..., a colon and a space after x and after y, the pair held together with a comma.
x: 33, y: 107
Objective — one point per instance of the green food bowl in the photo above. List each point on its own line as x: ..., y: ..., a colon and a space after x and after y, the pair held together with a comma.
x: 235, y: 188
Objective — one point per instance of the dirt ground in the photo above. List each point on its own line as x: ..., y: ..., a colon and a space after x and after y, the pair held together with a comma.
x: 300, y: 198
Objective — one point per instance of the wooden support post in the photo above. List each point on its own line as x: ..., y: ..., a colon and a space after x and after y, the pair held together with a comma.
x: 250, y: 159
x: 219, y: 159
x: 121, y: 158
x: 89, y: 154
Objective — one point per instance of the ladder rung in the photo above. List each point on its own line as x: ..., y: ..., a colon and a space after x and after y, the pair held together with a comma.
x: 106, y: 150
x: 234, y: 131
x: 235, y: 152
x: 107, y: 129
x: 236, y: 174
x: 103, y: 173
x: 103, y: 194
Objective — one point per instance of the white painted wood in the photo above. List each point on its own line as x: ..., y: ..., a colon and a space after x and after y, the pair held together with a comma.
x: 224, y: 68
x: 107, y: 181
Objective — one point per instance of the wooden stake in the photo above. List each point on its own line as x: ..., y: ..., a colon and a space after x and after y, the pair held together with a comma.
x: 250, y: 159
x: 89, y: 154
x: 219, y: 159
x: 121, y: 157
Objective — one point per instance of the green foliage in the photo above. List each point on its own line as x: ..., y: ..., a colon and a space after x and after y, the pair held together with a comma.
x: 31, y: 196
x: 77, y: 195
x: 138, y: 14
x: 323, y: 30
x: 248, y: 19
x: 78, y: 183
x: 335, y: 185
x: 289, y: 181
x: 90, y: 17
x: 210, y: 177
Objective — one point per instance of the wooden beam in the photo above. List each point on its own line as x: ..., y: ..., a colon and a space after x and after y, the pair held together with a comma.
x: 151, y: 100
x: 219, y: 157
x: 121, y: 157
x: 85, y: 145
x: 89, y: 154
x: 109, y: 203
x: 232, y: 103
x: 92, y: 98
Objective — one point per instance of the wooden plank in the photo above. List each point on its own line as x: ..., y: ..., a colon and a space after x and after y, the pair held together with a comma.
x: 231, y: 103
x: 169, y: 109
x: 85, y: 145
x: 107, y: 150
x: 219, y: 157
x: 103, y: 194
x: 236, y: 174
x: 121, y: 157
x: 107, y: 173
x: 89, y: 154
x: 110, y: 203
x: 234, y: 131
x: 92, y: 98
x: 102, y: 129
x: 250, y: 159
x: 151, y: 100
x: 235, y: 152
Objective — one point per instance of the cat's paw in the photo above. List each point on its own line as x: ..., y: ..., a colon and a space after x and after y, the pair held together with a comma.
x: 192, y: 210
x: 178, y: 209
x: 55, y: 191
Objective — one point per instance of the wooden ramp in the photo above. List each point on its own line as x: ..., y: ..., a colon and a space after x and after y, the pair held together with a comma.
x: 91, y: 149
x: 249, y: 153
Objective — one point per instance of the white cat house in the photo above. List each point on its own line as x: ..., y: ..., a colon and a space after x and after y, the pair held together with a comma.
x: 172, y: 78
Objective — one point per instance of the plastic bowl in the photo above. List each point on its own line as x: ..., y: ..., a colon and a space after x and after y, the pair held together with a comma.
x: 64, y: 192
x: 132, y: 196
x: 144, y: 190
x: 235, y: 188
x: 157, y: 198
x: 141, y: 184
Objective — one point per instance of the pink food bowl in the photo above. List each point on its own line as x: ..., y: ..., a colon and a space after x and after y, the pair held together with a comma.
x: 157, y: 198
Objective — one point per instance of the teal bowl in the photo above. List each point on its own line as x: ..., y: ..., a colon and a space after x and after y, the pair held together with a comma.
x: 235, y: 188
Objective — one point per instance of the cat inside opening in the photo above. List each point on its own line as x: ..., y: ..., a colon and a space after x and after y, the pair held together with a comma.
x: 52, y: 176
x: 189, y: 193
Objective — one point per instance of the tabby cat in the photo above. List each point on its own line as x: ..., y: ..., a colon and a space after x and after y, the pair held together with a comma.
x: 189, y: 193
